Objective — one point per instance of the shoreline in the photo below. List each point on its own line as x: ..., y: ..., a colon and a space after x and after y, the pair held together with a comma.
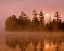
x: 33, y: 32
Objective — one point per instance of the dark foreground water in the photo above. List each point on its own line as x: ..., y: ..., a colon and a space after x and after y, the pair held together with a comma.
x: 32, y: 41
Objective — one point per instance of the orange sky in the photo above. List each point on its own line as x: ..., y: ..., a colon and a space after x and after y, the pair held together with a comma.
x: 14, y: 7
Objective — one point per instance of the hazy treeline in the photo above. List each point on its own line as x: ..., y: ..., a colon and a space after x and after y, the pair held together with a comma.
x: 23, y: 23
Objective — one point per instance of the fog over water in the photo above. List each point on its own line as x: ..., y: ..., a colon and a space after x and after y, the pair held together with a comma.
x: 32, y: 41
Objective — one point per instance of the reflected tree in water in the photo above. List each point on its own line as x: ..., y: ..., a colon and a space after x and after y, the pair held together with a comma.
x: 41, y: 45
x: 57, y: 43
x: 35, y: 43
x: 12, y: 42
x: 23, y: 42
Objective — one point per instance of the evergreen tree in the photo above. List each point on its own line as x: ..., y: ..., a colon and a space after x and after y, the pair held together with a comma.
x: 58, y: 20
x: 23, y: 21
x: 41, y: 18
x: 57, y: 15
x: 35, y: 21
x: 11, y: 23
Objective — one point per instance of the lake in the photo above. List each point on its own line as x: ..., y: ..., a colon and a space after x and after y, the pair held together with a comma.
x: 32, y: 41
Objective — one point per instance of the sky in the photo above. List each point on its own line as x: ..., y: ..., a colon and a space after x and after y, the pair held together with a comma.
x: 14, y: 7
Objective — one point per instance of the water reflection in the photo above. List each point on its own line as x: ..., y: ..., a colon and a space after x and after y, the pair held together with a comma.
x: 39, y: 43
x: 12, y: 42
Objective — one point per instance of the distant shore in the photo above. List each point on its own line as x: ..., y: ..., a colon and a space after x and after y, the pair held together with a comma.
x: 34, y: 32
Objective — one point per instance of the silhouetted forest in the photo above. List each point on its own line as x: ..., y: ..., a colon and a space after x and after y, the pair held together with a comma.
x: 23, y: 23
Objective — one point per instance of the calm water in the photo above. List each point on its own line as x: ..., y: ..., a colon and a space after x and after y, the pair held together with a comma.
x: 32, y: 41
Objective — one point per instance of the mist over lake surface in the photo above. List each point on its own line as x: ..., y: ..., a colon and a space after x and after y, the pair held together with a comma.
x: 31, y: 25
x: 32, y: 41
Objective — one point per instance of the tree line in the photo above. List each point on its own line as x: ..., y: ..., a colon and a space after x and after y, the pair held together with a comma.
x: 23, y: 23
